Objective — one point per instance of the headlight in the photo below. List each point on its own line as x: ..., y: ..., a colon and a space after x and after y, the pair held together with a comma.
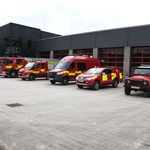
x: 59, y: 73
x: 77, y: 78
x: 89, y: 79
x: 26, y: 72
x: 145, y: 82
x: 128, y: 81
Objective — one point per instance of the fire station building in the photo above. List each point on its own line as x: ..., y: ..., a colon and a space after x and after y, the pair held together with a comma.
x: 123, y: 47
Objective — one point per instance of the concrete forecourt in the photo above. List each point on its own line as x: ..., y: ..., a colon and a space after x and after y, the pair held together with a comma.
x: 35, y: 115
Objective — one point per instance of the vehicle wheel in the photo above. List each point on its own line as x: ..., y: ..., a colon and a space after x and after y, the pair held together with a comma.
x: 65, y: 81
x: 80, y: 86
x: 47, y: 77
x: 148, y: 93
x: 127, y: 91
x: 52, y: 82
x: 96, y: 85
x: 115, y: 84
x: 13, y: 74
x: 31, y: 77
x: 23, y: 78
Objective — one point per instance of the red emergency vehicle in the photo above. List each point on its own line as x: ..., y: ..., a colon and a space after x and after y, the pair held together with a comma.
x: 11, y: 65
x: 96, y: 77
x: 70, y: 67
x: 32, y: 70
x: 139, y: 81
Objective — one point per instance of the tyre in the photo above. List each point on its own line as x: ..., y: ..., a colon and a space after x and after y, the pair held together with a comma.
x: 23, y: 78
x: 115, y: 84
x: 31, y: 77
x: 148, y: 93
x: 65, y: 81
x: 52, y: 82
x: 80, y: 86
x: 127, y: 91
x: 96, y: 85
x: 13, y: 74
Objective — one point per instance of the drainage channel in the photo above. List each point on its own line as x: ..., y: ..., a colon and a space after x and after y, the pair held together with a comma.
x: 14, y: 105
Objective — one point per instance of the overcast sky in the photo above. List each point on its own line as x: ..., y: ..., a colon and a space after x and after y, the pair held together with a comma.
x: 75, y: 16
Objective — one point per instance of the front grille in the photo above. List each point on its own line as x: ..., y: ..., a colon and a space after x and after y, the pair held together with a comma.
x: 136, y: 83
x: 81, y: 79
x: 52, y: 74
x: 20, y: 74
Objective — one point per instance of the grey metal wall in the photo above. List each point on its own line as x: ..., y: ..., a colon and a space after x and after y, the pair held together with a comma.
x: 27, y: 36
x: 47, y: 35
x: 56, y: 43
x: 5, y: 31
x: 139, y: 36
x: 131, y: 36
x: 111, y: 38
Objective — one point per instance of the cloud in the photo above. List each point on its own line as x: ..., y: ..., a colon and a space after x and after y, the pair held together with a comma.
x: 69, y: 17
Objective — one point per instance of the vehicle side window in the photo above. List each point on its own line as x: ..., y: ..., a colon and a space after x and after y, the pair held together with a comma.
x: 43, y: 66
x: 36, y: 66
x: 107, y: 71
x: 18, y: 61
x: 72, y: 66
x: 81, y: 66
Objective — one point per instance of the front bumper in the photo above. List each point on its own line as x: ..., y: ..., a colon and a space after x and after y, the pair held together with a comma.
x: 25, y: 76
x: 7, y: 73
x: 137, y: 86
x: 20, y: 74
x: 56, y: 78
x: 87, y: 83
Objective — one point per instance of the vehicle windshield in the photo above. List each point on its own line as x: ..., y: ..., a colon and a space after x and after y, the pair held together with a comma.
x: 142, y: 71
x: 62, y: 65
x: 7, y: 62
x: 94, y: 71
x: 29, y: 65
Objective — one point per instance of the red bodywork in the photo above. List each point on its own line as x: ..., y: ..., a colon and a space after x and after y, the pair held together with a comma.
x: 139, y: 81
x: 99, y: 76
x: 70, y: 67
x: 34, y: 70
x: 11, y: 65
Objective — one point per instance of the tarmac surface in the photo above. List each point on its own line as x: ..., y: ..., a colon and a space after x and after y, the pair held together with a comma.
x: 57, y: 117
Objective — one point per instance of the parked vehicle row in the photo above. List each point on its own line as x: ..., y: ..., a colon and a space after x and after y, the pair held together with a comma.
x: 85, y: 71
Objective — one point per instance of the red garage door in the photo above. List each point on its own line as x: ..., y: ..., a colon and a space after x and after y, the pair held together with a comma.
x: 140, y: 55
x: 112, y: 57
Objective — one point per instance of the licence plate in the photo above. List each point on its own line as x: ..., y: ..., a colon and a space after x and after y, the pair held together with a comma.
x: 135, y: 87
x: 51, y: 79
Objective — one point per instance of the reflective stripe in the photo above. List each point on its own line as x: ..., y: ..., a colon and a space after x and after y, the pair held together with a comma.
x: 120, y: 74
x: 20, y: 66
x: 72, y: 74
x: 36, y: 71
x: 42, y: 70
x: 78, y: 72
x: 113, y: 76
x: 8, y: 67
x: 104, y: 78
x: 53, y: 62
x: 65, y: 71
